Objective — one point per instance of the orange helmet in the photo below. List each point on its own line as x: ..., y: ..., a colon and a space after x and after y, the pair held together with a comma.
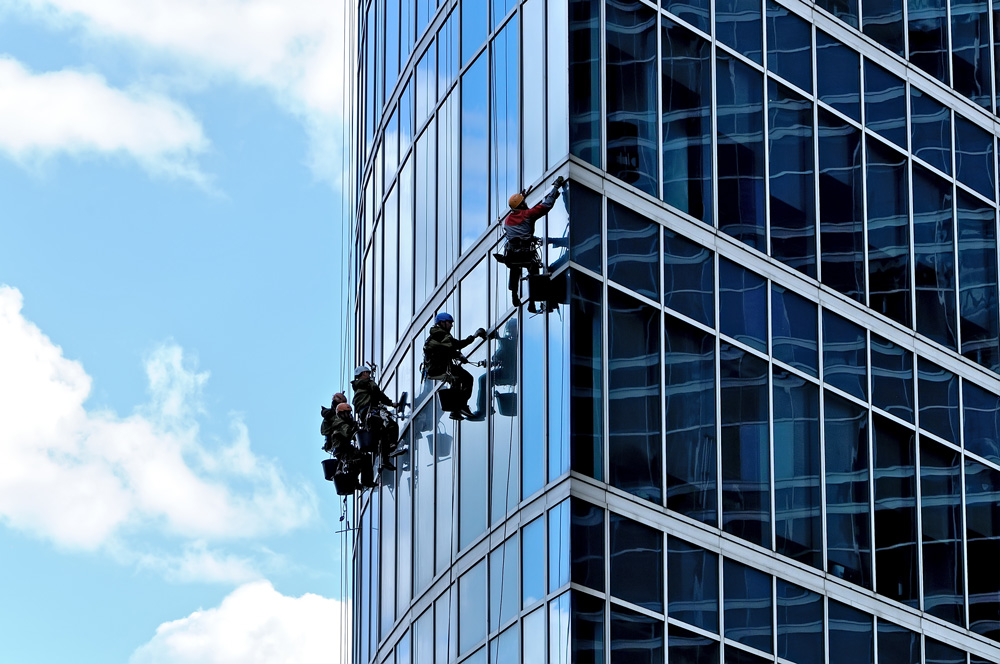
x: 344, y: 408
x: 339, y: 398
x: 515, y: 201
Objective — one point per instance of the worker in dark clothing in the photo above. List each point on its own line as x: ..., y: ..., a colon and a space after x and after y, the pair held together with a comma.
x: 519, y: 229
x: 443, y: 360
x: 371, y: 404
x: 326, y: 429
x: 343, y: 428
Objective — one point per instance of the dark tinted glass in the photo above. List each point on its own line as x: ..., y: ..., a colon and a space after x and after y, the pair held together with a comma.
x: 794, y: 330
x: 936, y: 652
x: 689, y: 648
x: 631, y: 98
x: 687, y: 120
x: 941, y: 512
x: 688, y: 278
x: 970, y: 50
x: 982, y: 522
x: 743, y: 304
x: 928, y: 27
x: 930, y: 130
x: 693, y: 585
x: 745, y: 455
x: 851, y: 637
x: 977, y: 278
x: 587, y: 544
x: 800, y: 623
x: 635, y: 638
x: 690, y: 407
x: 885, y: 102
x: 883, y: 22
x: 982, y: 421
x: 934, y: 257
x: 695, y: 12
x: 845, y: 357
x: 888, y: 233
x: 974, y: 156
x: 838, y: 75
x: 633, y: 250
x: 737, y: 656
x: 789, y: 46
x: 585, y: 231
x: 587, y: 629
x: 585, y: 79
x: 845, y: 10
x: 938, y: 400
x: 747, y: 595
x: 738, y: 25
x: 797, y: 501
x: 897, y: 645
x: 586, y: 354
x: 792, y: 179
x: 892, y: 378
x: 740, y: 156
x: 848, y: 530
x: 636, y: 563
x: 634, y: 396
x: 841, y: 198
x: 895, y: 512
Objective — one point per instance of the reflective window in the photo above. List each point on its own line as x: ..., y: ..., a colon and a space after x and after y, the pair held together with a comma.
x: 422, y: 454
x: 636, y: 563
x: 634, y: 396
x: 936, y: 652
x: 447, y: 40
x: 792, y: 178
x: 475, y: 26
x: 689, y: 648
x: 974, y: 156
x: 584, y: 394
x: 585, y: 231
x: 475, y: 149
x: 425, y: 217
x: 928, y: 28
x: 930, y: 130
x: 403, y: 650
x: 505, y: 130
x: 885, y: 102
x: 737, y: 656
x: 789, y: 46
x: 892, y: 378
x: 742, y: 305
x: 883, y: 22
x: 934, y: 257
x: 841, y: 198
x: 532, y: 551
x: 838, y: 70
x: 747, y: 593
x: 423, y: 637
x: 738, y: 25
x: 406, y: 248
x: 688, y: 278
x: 635, y: 638
x: 532, y: 405
x: 585, y: 80
x: 390, y: 252
x: 695, y: 12
x: 506, y: 647
x: 850, y: 633
x: 557, y: 84
x: 504, y: 575
x: 690, y: 407
x: 845, y: 356
x: 559, y: 546
x: 473, y: 461
x: 897, y: 645
x: 500, y: 10
x: 977, y: 278
x: 633, y: 250
x: 391, y: 41
x: 800, y: 623
x: 505, y: 466
x: 848, y: 529
x: 533, y: 139
x: 445, y: 645
x: 845, y: 10
x: 472, y: 607
x: 404, y: 534
x: 982, y: 421
x: 631, y: 90
x: 444, y: 445
x: 745, y: 455
x: 693, y: 585
x: 970, y: 50
x: 938, y: 400
x: 448, y: 238
x: 895, y: 512
x: 794, y: 330
x: 587, y: 629
x: 559, y: 621
x: 740, y: 151
x: 587, y: 544
x: 687, y: 121
x: 387, y: 561
x: 982, y: 522
x: 941, y: 517
x: 533, y: 642
x: 426, y: 89
x: 888, y: 233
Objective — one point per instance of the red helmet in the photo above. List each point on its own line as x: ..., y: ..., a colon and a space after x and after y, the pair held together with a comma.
x: 339, y: 397
x: 344, y: 408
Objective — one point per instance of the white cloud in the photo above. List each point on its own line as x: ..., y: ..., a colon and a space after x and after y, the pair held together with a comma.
x: 78, y: 113
x: 91, y: 479
x: 255, y: 624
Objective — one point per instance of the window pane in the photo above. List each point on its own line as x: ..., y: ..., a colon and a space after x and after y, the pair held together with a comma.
x: 794, y: 330
x: 743, y: 305
x: 534, y: 637
x: 789, y: 46
x: 585, y: 231
x: 587, y: 544
x: 475, y: 149
x: 585, y: 80
x: 737, y: 656
x: 390, y: 252
x: 688, y: 278
x: 532, y: 405
x: 475, y: 26
x: 897, y: 645
x: 422, y: 454
x: 559, y: 545
x: 504, y: 602
x: 473, y: 463
x: 888, y: 233
x: 559, y: 619
x: 934, y: 257
x: 533, y: 140
x: 841, y: 198
x: 941, y: 515
x: 689, y: 648
x: 636, y: 563
x: 885, y: 102
x: 693, y: 584
x: 892, y: 378
x: 695, y: 12
x: 982, y: 421
x: 635, y: 638
x: 928, y: 27
x: 387, y: 561
x: 633, y: 250
x: 587, y: 629
x: 838, y: 75
x: 738, y: 25
x: 800, y: 623
x: 974, y: 156
x: 506, y: 464
x: 851, y: 635
x: 505, y: 648
x: 426, y: 88
x: 426, y: 216
x: 404, y: 535
x: 883, y: 22
x: 505, y: 129
x: 895, y: 512
x: 559, y: 392
x: 977, y: 278
x: 557, y: 83
x: 938, y: 400
x: 448, y: 237
x: 970, y: 50
x: 532, y: 551
x: 930, y: 130
x: 423, y: 637
x: 444, y: 439
x: 941, y: 653
x: 747, y: 595
x: 982, y: 500
x: 845, y: 356
x: 586, y: 389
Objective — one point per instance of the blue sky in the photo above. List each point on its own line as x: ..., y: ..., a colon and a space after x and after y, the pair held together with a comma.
x: 170, y: 323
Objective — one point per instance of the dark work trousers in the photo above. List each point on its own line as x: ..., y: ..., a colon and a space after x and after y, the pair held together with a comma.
x: 388, y: 435
x: 463, y: 384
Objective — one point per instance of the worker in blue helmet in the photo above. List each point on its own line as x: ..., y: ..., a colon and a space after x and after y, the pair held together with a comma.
x: 443, y: 360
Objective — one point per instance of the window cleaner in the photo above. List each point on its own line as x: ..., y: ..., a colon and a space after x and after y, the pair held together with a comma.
x: 443, y: 361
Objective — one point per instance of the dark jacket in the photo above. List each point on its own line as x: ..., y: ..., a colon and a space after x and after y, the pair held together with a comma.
x: 329, y: 415
x: 441, y: 348
x: 343, y: 431
x: 366, y: 393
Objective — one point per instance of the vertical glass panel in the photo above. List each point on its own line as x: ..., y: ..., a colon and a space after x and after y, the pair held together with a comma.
x: 423, y: 637
x: 586, y: 389
x: 425, y: 217
x: 534, y: 637
x: 845, y: 356
x: 897, y: 645
x: 557, y: 232
x: 406, y: 117
x: 982, y: 524
x: 475, y: 27
x: 885, y: 102
x: 391, y: 293
x: 635, y: 638
x: 692, y: 585
x: 745, y: 455
x: 391, y: 42
x: 447, y: 39
x: 797, y: 499
x: 444, y: 445
x: 532, y: 404
x: 507, y: 647
x: 585, y: 232
x: 532, y: 551
x: 928, y: 28
x: 938, y: 400
x: 387, y: 563
x: 892, y: 378
x: 687, y: 120
x: 883, y: 22
x: 737, y: 656
x: 689, y: 648
x: 747, y: 593
x: 631, y: 93
x: 475, y: 151
x: 448, y: 234
x: 585, y: 80
x: 587, y: 629
x: 792, y: 178
x: 689, y: 381
x: 633, y: 250
x: 696, y: 12
x: 445, y: 643
x: 404, y: 535
x: 738, y: 25
x: 634, y: 446
x: 934, y: 257
x: 472, y: 607
x: 742, y: 304
x: 559, y: 621
x: 426, y: 89
x: 982, y: 421
x: 688, y: 278
x: 473, y: 458
x: 587, y: 544
x: 848, y: 529
x: 841, y: 199
x: 503, y: 583
x: 403, y: 650
x: 740, y: 156
x: 391, y: 146
x: 500, y: 10
x: 895, y: 512
x: 422, y: 453
x: 941, y: 653
x: 789, y: 46
x: 636, y: 563
x: 888, y: 233
x: 850, y: 633
x: 800, y: 623
x: 406, y: 246
x: 838, y: 70
x: 533, y: 139
x: 977, y: 279
x: 505, y: 466
x: 794, y: 330
x: 930, y: 130
x: 974, y: 156
x: 557, y: 83
x: 941, y: 514
x: 559, y: 546
x: 970, y: 50
x: 504, y: 117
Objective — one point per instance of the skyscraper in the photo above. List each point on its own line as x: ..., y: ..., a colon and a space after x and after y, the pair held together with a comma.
x: 762, y: 420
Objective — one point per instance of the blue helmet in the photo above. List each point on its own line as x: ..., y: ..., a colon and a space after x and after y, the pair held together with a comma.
x: 442, y: 317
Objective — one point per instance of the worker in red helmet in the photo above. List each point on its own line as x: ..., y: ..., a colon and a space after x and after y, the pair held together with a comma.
x: 329, y: 415
x: 341, y: 443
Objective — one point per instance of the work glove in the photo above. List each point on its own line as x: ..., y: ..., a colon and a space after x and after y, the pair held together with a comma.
x: 560, y: 181
x: 481, y: 333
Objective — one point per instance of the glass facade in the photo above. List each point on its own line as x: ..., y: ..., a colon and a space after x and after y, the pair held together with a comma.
x: 760, y: 421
